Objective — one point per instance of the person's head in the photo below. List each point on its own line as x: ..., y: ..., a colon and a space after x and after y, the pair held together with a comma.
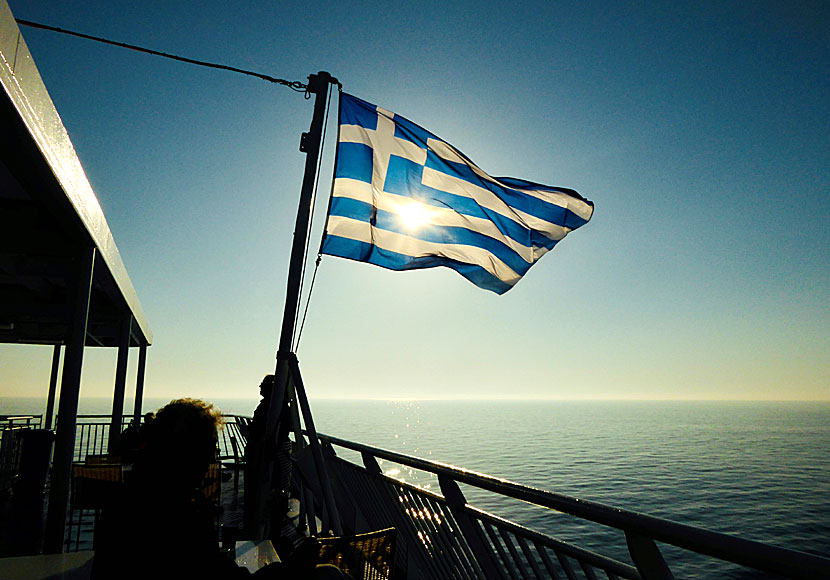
x: 266, y: 386
x: 149, y: 416
x: 182, y: 439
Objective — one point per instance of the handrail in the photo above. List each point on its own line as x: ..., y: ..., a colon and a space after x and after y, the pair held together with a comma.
x: 18, y: 417
x: 20, y: 420
x: 587, y: 555
x: 749, y: 553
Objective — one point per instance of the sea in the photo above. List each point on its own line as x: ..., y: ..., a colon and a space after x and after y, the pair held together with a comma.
x: 758, y: 470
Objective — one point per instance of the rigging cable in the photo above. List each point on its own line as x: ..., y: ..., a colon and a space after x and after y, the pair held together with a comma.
x: 293, y: 85
x: 308, y: 237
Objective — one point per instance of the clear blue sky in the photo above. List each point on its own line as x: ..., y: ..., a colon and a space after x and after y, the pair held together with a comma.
x: 700, y: 131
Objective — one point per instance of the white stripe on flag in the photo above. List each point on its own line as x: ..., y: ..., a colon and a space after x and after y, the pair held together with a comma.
x: 439, y: 216
x: 409, y: 246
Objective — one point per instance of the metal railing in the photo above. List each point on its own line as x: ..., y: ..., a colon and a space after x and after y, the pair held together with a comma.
x: 233, y: 438
x: 16, y: 421
x: 448, y: 538
x: 12, y: 431
x: 92, y: 436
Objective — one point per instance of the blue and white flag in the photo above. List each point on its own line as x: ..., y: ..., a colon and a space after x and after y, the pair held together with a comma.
x: 405, y: 199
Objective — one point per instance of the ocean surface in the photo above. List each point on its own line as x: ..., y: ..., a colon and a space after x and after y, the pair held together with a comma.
x: 758, y: 470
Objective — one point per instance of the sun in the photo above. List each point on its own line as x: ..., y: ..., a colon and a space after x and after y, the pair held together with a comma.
x: 413, y: 214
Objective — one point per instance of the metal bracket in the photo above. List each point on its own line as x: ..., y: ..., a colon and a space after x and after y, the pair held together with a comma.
x: 304, y: 142
x: 647, y: 557
x: 475, y: 537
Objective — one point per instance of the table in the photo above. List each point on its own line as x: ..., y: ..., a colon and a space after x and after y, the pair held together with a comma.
x: 255, y: 555
x: 73, y: 565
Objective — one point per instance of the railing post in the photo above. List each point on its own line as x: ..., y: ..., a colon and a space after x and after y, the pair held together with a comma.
x: 370, y: 463
x: 472, y: 532
x: 647, y: 557
x: 53, y: 388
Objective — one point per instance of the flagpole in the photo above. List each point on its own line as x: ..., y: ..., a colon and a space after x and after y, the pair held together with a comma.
x: 310, y: 145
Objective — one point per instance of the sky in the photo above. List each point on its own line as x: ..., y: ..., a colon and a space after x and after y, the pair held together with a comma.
x: 699, y: 130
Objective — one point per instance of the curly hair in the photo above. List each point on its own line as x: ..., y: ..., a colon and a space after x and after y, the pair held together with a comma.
x: 185, y: 430
x: 191, y: 413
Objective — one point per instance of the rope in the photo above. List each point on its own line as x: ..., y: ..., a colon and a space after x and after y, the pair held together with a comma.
x: 293, y: 85
x: 299, y: 331
x: 308, y: 300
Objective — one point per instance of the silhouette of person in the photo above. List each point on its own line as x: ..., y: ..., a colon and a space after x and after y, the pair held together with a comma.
x: 162, y: 526
x: 260, y: 418
x: 149, y: 417
x: 253, y: 456
x: 134, y: 438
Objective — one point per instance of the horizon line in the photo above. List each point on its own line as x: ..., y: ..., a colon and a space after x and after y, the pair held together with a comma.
x: 465, y: 399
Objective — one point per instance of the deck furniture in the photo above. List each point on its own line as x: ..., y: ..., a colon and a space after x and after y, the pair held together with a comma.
x: 369, y: 556
x: 93, y: 487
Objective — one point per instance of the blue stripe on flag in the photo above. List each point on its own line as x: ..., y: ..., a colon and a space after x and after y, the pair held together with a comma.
x: 521, y: 201
x: 391, y: 222
x: 572, y: 220
x: 353, y: 209
x: 348, y: 248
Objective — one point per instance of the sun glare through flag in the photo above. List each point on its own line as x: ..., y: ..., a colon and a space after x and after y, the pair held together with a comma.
x: 404, y: 199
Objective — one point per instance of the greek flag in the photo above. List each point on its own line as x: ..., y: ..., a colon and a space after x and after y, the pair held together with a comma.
x: 404, y: 199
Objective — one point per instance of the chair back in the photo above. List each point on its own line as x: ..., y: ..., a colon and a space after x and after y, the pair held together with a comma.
x: 368, y: 556
x: 212, y: 487
x: 94, y: 485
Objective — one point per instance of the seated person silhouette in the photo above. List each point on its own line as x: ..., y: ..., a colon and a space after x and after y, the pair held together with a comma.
x: 161, y: 526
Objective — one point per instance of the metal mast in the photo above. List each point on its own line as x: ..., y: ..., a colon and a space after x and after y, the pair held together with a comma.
x: 310, y: 145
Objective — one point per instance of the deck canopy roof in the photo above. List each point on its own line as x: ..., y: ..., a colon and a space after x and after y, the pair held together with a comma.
x: 48, y: 216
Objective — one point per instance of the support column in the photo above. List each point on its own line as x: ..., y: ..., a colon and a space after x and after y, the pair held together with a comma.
x: 53, y: 388
x: 68, y: 408
x: 114, y: 441
x: 139, y: 383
